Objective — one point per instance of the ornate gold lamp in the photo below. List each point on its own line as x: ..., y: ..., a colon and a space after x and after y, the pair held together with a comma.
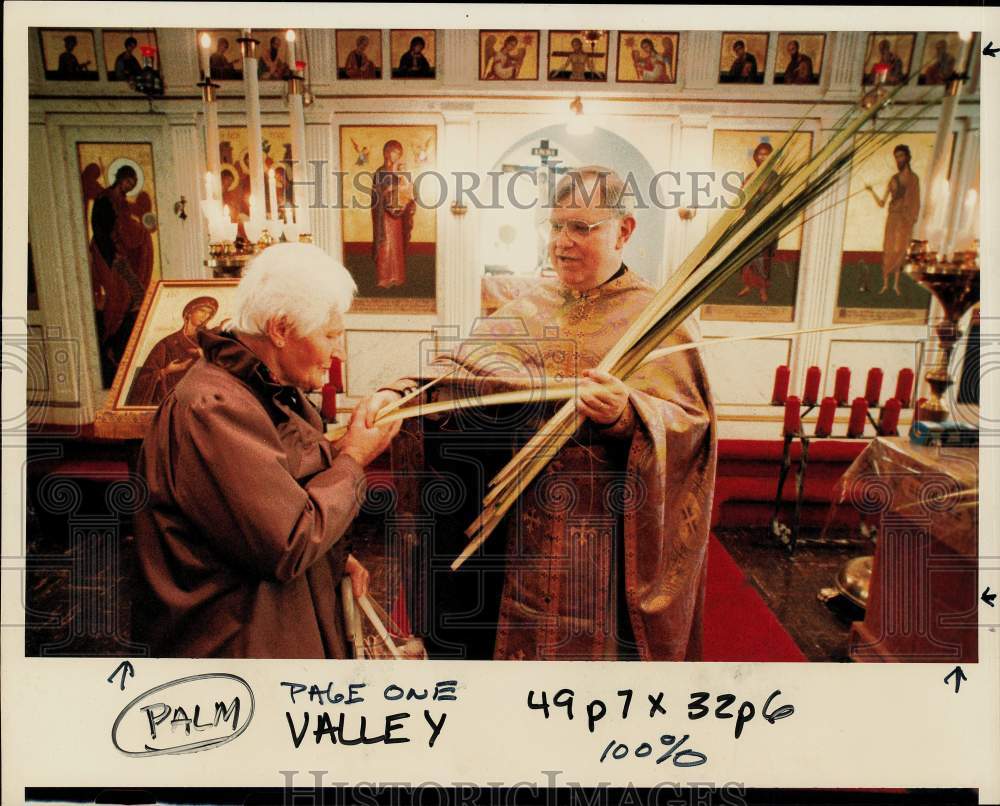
x: 954, y: 282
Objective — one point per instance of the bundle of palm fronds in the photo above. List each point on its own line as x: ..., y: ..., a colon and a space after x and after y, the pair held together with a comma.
x: 773, y: 202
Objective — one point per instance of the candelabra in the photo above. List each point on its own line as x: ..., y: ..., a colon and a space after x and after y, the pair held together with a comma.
x: 233, y: 244
x: 954, y: 282
x: 861, y: 412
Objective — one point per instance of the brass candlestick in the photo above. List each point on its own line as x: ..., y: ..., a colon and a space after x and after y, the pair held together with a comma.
x: 955, y: 284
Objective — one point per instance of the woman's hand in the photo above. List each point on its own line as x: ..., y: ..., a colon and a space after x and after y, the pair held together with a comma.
x: 379, y: 401
x: 359, y: 576
x: 603, y: 397
x: 363, y: 443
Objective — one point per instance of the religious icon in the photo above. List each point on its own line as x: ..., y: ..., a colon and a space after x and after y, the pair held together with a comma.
x: 162, y: 348
x: 743, y: 58
x: 508, y: 55
x: 765, y: 288
x: 225, y: 61
x: 172, y: 356
x: 413, y: 54
x: 359, y: 54
x: 799, y: 59
x: 891, y: 55
x: 647, y: 57
x: 120, y: 209
x: 389, y: 235
x: 872, y: 284
x: 578, y: 55
x: 69, y: 55
x: 123, y: 52
x: 234, y: 159
x: 939, y: 61
x: 272, y: 55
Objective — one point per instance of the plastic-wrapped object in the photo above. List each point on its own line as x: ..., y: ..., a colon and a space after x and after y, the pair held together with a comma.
x: 372, y: 633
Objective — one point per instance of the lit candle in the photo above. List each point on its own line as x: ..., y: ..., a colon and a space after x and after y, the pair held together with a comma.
x: 811, y: 393
x: 859, y: 413
x: 970, y: 220
x: 290, y: 39
x: 824, y: 423
x: 793, y: 422
x: 962, y: 63
x: 873, y: 387
x: 781, y: 376
x: 272, y: 194
x: 842, y: 386
x: 206, y: 44
x: 904, y: 386
x: 889, y: 418
x: 232, y: 227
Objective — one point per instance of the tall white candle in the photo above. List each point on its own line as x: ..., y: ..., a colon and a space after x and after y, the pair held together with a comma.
x: 272, y: 194
x: 206, y: 44
x: 296, y: 114
x: 254, y: 139
x: 290, y: 39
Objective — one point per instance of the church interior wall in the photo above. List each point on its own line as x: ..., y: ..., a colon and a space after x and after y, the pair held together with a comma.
x: 479, y: 125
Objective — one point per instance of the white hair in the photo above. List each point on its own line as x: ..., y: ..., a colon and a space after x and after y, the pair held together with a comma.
x: 298, y: 281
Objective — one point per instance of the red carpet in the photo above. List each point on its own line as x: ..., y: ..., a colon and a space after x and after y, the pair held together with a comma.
x: 738, y: 625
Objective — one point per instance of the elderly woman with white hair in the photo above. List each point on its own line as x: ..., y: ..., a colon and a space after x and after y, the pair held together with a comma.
x: 242, y: 545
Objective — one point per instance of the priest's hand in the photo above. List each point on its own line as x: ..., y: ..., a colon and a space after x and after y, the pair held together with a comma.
x: 358, y: 574
x: 603, y: 398
x: 379, y: 401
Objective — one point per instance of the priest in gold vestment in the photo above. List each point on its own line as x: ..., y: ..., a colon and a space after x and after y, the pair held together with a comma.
x: 604, y: 557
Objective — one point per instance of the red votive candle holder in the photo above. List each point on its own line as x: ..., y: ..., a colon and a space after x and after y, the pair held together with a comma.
x: 889, y: 418
x: 824, y: 423
x: 329, y: 407
x: 811, y: 393
x: 842, y: 386
x: 859, y: 413
x: 904, y: 386
x: 780, y: 392
x: 916, y: 408
x: 873, y: 386
x: 793, y: 422
x: 337, y: 375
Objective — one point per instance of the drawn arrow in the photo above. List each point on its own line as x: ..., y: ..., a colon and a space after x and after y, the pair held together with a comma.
x: 989, y: 598
x: 959, y: 676
x: 989, y: 50
x: 127, y: 670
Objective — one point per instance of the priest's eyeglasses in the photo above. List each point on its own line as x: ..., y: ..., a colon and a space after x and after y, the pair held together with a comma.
x: 576, y: 229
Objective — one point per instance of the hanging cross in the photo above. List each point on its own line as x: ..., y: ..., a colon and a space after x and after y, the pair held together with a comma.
x: 544, y: 152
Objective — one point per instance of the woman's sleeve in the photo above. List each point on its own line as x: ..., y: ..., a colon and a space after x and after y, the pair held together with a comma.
x: 232, y: 480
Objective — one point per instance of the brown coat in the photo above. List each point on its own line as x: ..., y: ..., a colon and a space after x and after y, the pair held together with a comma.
x: 241, y: 545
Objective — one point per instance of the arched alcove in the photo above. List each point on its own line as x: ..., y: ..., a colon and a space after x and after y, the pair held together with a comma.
x: 508, y: 234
